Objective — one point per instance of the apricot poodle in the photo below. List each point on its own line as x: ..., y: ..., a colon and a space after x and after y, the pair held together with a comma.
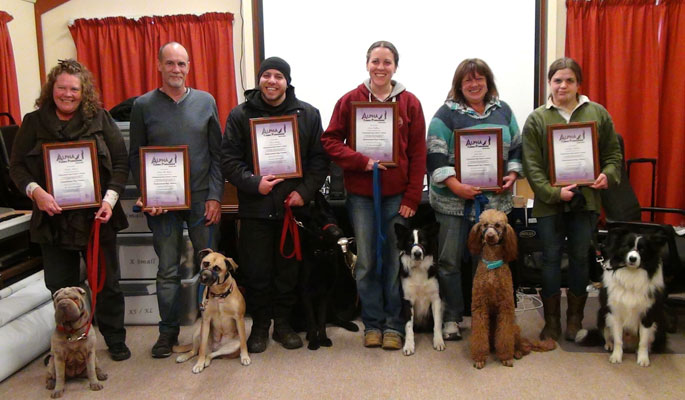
x: 492, y: 304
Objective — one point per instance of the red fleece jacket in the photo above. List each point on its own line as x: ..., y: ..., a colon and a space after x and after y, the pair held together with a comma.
x: 407, y: 177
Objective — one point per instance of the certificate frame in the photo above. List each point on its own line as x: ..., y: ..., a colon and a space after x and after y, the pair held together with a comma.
x: 480, y: 138
x: 94, y: 199
x: 147, y: 151
x: 554, y: 135
x: 393, y: 108
x: 290, y: 170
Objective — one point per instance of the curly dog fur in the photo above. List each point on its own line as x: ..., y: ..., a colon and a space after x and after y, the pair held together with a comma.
x: 492, y: 305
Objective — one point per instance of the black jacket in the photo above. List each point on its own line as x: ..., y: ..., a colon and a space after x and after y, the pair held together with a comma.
x: 71, y: 228
x: 237, y: 163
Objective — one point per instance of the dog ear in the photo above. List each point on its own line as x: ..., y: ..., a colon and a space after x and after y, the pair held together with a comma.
x: 203, y: 253
x: 475, y: 241
x: 401, y: 231
x: 657, y: 239
x: 57, y: 292
x: 510, y: 244
x: 231, y: 263
x: 80, y: 290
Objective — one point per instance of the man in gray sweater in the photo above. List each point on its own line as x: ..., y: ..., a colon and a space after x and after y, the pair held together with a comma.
x: 170, y: 116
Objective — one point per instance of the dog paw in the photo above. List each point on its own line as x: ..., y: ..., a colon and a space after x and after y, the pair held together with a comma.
x: 182, y: 358
x: 57, y: 394
x: 608, y: 346
x: 438, y: 343
x: 102, y: 376
x: 49, y: 384
x: 616, y: 358
x: 96, y: 386
x: 643, y: 360
x: 408, y: 349
x: 207, y: 362
x: 508, y: 363
x: 198, y: 367
x: 326, y: 343
x: 479, y: 364
x: 245, y: 360
x: 313, y: 345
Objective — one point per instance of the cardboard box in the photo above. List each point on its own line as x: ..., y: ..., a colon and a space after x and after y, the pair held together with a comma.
x: 137, y: 222
x: 140, y: 299
x: 522, y: 188
x: 138, y: 260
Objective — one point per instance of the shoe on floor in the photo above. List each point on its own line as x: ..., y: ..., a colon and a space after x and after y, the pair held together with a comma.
x: 451, y: 331
x: 119, y: 351
x: 372, y: 339
x: 162, y: 348
x: 259, y: 338
x: 286, y: 336
x: 392, y: 341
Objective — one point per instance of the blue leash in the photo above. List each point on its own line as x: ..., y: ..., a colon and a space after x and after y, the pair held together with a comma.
x: 480, y: 200
x: 378, y: 219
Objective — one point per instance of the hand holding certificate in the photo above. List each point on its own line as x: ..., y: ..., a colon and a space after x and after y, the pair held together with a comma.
x: 573, y: 155
x: 165, y: 177
x: 276, y: 146
x: 478, y: 157
x: 374, y: 131
x: 72, y: 175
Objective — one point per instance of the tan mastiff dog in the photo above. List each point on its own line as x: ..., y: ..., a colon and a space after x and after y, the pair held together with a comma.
x: 73, y: 343
x: 223, y: 315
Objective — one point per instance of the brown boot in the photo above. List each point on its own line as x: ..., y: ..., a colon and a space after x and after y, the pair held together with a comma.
x: 574, y: 314
x: 552, y: 329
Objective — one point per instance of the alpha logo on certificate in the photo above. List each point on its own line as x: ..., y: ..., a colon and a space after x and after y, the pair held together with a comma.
x: 72, y: 175
x: 275, y: 146
x: 165, y: 177
x: 374, y: 131
x: 478, y: 157
x: 573, y: 155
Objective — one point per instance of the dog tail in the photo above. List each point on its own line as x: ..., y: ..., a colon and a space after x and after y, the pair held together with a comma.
x: 590, y: 337
x: 537, y: 345
x: 182, y: 349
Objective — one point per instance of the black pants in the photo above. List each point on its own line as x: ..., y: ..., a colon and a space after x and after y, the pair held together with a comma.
x: 271, y: 278
x: 62, y: 269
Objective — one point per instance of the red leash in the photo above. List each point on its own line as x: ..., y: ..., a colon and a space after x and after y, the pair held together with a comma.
x: 290, y: 225
x: 95, y: 267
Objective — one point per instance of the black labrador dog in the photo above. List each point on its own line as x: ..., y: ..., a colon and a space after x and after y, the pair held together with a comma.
x: 326, y: 294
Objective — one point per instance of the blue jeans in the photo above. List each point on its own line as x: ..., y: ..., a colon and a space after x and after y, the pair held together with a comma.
x: 379, y: 295
x: 167, y: 239
x: 578, y: 228
x: 451, y: 241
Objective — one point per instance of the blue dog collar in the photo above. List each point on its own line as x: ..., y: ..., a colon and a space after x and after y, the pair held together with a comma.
x: 493, y: 264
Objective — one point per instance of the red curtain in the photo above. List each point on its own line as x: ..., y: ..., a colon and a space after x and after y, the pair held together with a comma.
x: 122, y: 54
x: 621, y: 48
x: 9, y: 92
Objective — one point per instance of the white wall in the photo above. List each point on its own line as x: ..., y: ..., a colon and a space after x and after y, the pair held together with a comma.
x: 22, y: 30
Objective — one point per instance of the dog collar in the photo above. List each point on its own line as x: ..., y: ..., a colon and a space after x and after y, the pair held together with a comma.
x: 493, y: 264
x: 224, y: 294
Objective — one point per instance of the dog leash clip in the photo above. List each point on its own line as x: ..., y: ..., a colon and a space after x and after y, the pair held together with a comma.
x: 72, y: 339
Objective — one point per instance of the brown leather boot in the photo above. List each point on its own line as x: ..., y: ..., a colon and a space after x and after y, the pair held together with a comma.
x: 552, y: 329
x: 574, y: 314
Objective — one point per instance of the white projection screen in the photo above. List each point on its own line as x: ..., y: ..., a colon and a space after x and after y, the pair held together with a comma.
x: 325, y: 43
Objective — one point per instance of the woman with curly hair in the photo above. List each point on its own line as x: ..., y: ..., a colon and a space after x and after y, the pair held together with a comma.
x: 68, y: 110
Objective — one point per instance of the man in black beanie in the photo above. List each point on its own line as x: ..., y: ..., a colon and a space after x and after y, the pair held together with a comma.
x: 271, y: 279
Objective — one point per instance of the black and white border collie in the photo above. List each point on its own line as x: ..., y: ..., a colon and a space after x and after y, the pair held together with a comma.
x: 418, y: 274
x: 632, y: 297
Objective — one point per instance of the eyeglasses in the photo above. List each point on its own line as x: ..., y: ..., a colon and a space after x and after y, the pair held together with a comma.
x: 70, y: 65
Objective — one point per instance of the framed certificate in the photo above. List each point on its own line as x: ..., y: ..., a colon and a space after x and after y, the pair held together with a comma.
x: 165, y: 177
x: 276, y: 146
x: 375, y: 127
x: 573, y: 154
x: 478, y: 157
x: 72, y: 174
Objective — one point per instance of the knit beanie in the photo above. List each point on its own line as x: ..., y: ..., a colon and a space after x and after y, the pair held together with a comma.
x: 276, y: 63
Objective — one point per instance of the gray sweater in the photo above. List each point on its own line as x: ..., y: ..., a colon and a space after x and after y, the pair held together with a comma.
x: 157, y: 120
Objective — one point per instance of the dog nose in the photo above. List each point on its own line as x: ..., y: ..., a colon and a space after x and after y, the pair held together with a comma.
x: 632, y: 259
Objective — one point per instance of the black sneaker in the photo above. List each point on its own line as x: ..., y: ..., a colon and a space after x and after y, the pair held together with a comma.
x: 119, y: 352
x: 259, y: 337
x: 162, y: 348
x: 286, y: 336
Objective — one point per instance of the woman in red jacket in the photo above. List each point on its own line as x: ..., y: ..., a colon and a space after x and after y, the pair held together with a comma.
x: 401, y: 187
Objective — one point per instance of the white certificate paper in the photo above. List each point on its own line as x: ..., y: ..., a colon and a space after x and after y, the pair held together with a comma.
x: 276, y: 152
x: 164, y: 178
x: 478, y: 160
x: 374, y: 132
x: 573, y: 154
x: 71, y: 170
